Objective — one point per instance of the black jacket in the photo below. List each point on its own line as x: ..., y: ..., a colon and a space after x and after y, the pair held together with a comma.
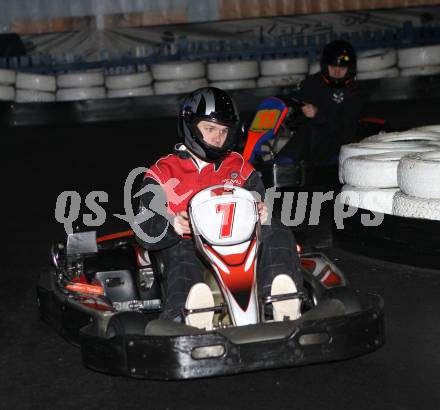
x: 338, y: 108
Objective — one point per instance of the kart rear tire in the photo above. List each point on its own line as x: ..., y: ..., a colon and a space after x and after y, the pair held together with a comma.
x: 127, y: 323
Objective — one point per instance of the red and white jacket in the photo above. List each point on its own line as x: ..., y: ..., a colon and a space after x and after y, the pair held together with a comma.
x: 173, y: 180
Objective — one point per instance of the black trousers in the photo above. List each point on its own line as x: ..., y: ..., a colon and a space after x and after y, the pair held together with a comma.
x: 183, y: 267
x: 310, y: 143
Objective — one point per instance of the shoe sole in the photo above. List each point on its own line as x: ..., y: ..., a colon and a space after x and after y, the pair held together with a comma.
x: 199, y: 297
x: 281, y: 285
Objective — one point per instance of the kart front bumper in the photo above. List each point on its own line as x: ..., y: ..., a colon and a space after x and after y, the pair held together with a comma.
x: 235, y: 350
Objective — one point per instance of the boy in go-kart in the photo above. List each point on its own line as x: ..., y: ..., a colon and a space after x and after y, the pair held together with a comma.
x: 208, y: 124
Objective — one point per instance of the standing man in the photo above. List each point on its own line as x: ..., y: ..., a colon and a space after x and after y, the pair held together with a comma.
x: 330, y: 103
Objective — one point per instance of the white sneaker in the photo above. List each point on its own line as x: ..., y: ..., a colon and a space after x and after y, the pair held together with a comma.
x: 199, y: 297
x: 286, y: 309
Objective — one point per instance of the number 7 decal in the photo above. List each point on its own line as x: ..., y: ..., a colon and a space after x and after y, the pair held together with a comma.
x: 228, y: 211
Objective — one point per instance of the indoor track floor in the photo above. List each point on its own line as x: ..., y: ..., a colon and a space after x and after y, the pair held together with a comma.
x: 41, y: 370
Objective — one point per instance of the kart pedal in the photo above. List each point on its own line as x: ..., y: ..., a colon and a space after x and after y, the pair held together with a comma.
x: 288, y: 308
x: 200, y: 299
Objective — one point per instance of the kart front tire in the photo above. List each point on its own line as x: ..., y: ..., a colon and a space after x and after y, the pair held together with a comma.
x: 127, y: 323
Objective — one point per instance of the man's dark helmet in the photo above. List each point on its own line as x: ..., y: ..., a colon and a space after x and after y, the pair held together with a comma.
x: 208, y: 104
x: 338, y: 53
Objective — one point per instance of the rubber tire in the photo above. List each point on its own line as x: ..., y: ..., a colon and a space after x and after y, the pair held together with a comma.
x: 178, y: 71
x: 232, y: 70
x: 315, y: 68
x: 32, y: 96
x: 418, y: 56
x: 428, y: 128
x: 36, y: 82
x: 178, y: 87
x: 348, y: 297
x: 411, y: 135
x: 418, y: 175
x: 365, y: 148
x: 76, y: 94
x: 375, y: 60
x: 128, y: 81
x: 279, y: 80
x: 7, y: 77
x: 373, y: 170
x: 422, y: 70
x: 7, y: 93
x: 234, y: 85
x: 285, y: 66
x: 80, y: 80
x: 386, y: 73
x: 130, y: 92
x: 412, y: 207
x: 372, y: 199
x: 127, y: 323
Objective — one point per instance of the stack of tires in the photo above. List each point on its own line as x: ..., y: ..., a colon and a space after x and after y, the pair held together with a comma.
x: 379, y: 63
x: 34, y: 88
x: 280, y: 72
x: 178, y: 77
x: 129, y: 85
x: 419, y: 61
x: 80, y: 86
x: 7, y: 82
x: 232, y: 75
x: 369, y: 169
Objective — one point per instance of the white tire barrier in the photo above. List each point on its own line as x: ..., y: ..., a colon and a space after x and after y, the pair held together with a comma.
x: 80, y: 80
x: 130, y: 92
x: 373, y: 60
x: 412, y: 207
x: 277, y: 80
x: 284, y: 66
x: 234, y: 85
x: 418, y: 56
x: 418, y: 175
x: 423, y: 70
x: 75, y: 94
x: 315, y: 68
x: 7, y: 93
x: 36, y: 82
x: 233, y: 70
x: 123, y: 82
x: 411, y: 135
x: 428, y: 128
x: 178, y: 71
x: 366, y: 148
x: 7, y: 77
x: 375, y: 200
x: 32, y: 96
x: 178, y: 87
x: 372, y: 171
x: 386, y: 73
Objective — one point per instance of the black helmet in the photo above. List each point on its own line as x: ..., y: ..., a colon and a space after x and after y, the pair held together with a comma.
x: 208, y: 104
x: 338, y: 53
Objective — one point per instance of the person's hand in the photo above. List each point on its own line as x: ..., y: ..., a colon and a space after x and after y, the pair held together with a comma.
x: 262, y: 212
x: 181, y: 223
x: 309, y: 110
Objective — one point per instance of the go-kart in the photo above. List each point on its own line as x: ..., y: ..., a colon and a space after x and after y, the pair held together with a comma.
x: 104, y: 295
x: 275, y: 122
